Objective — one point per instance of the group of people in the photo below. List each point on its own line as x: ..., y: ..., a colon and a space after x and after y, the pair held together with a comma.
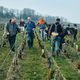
x: 12, y: 28
x: 55, y: 31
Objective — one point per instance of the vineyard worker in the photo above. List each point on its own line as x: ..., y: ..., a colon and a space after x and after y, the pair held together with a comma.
x: 75, y: 32
x: 22, y: 23
x: 30, y: 26
x: 42, y: 25
x: 12, y: 29
x: 57, y: 28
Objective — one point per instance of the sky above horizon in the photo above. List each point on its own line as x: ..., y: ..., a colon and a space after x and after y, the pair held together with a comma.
x: 66, y: 8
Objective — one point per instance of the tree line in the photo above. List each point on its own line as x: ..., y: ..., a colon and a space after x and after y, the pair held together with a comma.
x: 24, y: 13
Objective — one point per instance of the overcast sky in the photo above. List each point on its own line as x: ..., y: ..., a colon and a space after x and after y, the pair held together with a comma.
x: 66, y: 8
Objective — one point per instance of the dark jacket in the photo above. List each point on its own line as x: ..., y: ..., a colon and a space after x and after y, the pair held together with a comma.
x: 22, y: 23
x: 58, y: 27
x: 12, y: 29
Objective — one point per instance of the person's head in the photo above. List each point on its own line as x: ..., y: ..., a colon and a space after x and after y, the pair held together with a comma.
x: 58, y: 20
x: 68, y: 25
x: 14, y: 20
x: 75, y: 25
x: 10, y: 20
x: 29, y: 18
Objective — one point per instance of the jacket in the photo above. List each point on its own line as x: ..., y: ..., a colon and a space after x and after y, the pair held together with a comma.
x: 29, y: 26
x: 12, y: 29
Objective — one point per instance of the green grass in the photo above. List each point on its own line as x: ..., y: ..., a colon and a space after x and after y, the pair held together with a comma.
x: 33, y: 66
x: 65, y: 67
x: 3, y: 54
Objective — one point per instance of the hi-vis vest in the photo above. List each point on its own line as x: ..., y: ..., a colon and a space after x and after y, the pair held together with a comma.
x: 41, y: 21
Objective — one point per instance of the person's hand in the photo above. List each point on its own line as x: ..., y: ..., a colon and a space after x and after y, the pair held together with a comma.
x: 7, y: 33
x: 33, y: 29
x: 69, y: 33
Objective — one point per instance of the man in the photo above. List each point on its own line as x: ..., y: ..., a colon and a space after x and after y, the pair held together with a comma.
x: 30, y: 26
x: 75, y: 32
x: 42, y: 25
x: 57, y: 29
x: 12, y: 30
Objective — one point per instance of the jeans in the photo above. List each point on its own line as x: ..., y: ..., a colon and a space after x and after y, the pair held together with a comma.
x: 56, y: 44
x: 43, y: 34
x: 30, y: 39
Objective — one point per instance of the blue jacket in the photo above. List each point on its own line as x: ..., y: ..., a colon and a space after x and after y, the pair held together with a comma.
x: 43, y: 26
x: 29, y: 26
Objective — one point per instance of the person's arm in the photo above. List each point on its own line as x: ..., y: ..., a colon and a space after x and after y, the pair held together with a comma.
x: 38, y: 24
x: 18, y: 29
x: 34, y: 26
x: 24, y: 22
x: 51, y: 29
x: 7, y: 27
x: 25, y: 28
x: 62, y: 28
x: 46, y: 24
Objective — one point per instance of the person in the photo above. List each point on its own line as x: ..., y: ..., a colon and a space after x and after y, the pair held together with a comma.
x: 75, y: 32
x: 57, y: 28
x: 29, y: 27
x: 12, y: 30
x: 22, y: 23
x: 42, y: 25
